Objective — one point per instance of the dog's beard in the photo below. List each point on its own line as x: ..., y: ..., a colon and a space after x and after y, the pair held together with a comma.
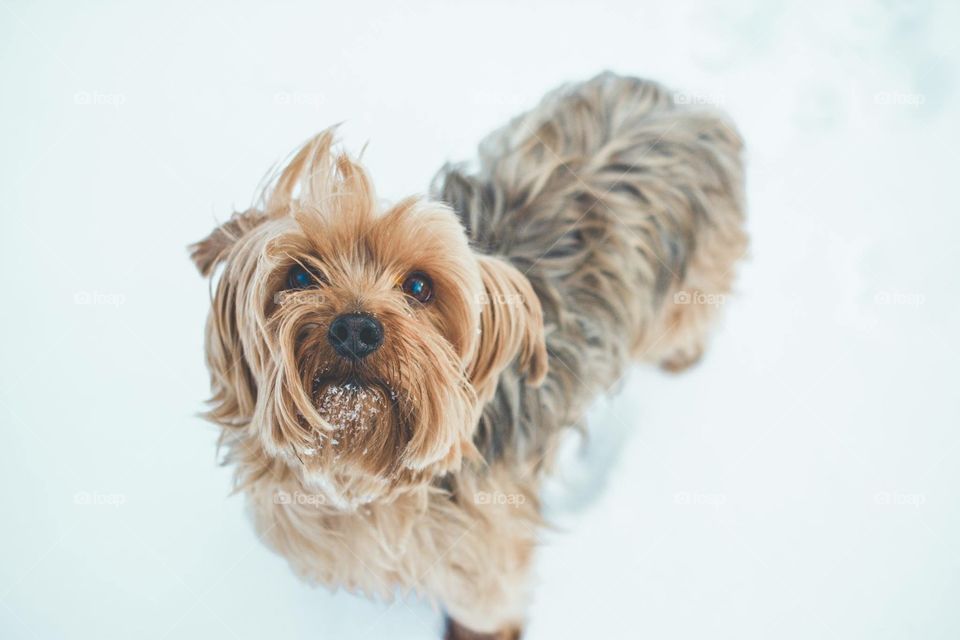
x: 362, y: 423
x: 356, y: 449
x: 350, y: 408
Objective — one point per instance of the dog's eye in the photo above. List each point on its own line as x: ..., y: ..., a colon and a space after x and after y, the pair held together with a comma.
x: 300, y: 278
x: 418, y: 286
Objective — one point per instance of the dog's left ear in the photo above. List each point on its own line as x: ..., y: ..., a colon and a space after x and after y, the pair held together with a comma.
x: 213, y: 249
x: 511, y: 328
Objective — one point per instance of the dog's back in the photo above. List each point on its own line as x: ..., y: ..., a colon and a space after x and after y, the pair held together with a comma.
x: 625, y: 212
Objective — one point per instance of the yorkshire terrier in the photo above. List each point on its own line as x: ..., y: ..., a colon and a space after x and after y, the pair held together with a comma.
x: 392, y: 382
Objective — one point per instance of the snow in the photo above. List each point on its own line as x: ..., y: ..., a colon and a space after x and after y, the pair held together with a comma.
x: 802, y: 482
x: 349, y: 407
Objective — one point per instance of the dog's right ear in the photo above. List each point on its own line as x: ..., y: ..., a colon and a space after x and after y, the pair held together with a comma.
x: 213, y: 249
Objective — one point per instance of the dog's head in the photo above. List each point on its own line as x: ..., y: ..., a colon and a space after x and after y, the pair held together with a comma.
x: 358, y: 345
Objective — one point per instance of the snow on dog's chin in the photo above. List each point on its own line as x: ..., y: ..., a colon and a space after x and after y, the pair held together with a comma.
x: 353, y: 457
x: 350, y: 409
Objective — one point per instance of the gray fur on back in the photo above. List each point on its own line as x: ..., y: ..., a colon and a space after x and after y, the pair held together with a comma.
x: 600, y: 196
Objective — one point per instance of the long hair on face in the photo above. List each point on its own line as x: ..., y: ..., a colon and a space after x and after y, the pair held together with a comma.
x: 412, y: 406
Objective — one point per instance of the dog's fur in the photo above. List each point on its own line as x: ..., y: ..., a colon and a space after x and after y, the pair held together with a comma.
x: 587, y: 237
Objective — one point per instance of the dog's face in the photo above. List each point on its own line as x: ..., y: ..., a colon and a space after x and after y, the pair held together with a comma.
x: 356, y: 345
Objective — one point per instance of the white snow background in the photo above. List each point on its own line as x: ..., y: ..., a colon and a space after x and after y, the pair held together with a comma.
x: 802, y: 482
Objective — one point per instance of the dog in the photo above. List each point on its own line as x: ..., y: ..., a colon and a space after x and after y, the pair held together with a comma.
x: 391, y: 382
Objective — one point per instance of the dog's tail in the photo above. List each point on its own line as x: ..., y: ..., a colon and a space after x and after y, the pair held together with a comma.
x: 623, y: 206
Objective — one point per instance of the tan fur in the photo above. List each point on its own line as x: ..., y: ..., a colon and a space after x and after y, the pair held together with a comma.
x: 563, y: 258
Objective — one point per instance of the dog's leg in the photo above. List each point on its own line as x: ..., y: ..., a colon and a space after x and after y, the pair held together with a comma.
x: 487, y: 532
x: 683, y: 334
x: 456, y: 631
x: 677, y: 341
x: 484, y: 585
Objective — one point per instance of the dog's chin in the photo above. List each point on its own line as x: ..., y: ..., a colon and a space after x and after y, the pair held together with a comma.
x: 353, y: 407
x: 356, y: 455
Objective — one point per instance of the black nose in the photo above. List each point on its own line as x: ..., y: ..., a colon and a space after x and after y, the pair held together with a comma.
x: 355, y: 335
